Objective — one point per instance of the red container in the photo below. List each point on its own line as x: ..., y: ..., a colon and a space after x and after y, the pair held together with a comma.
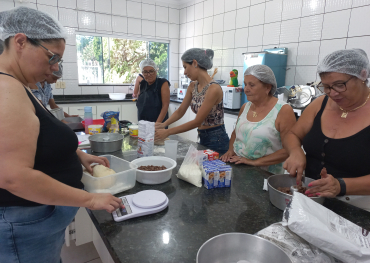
x: 95, y: 122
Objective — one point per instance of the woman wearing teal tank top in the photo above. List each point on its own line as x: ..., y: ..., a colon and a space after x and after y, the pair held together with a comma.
x: 262, y: 122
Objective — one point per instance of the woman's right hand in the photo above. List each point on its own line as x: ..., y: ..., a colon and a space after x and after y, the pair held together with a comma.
x: 159, y: 125
x: 106, y: 202
x: 227, y: 155
x: 296, y: 164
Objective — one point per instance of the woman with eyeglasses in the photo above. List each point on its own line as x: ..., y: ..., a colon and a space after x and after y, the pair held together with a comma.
x: 335, y: 131
x: 40, y: 177
x: 154, y: 94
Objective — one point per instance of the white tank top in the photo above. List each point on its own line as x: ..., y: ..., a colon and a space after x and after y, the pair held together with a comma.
x: 257, y: 139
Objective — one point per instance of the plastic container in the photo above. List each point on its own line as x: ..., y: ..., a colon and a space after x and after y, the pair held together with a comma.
x: 95, y: 122
x: 154, y: 177
x: 123, y: 180
x: 95, y: 129
x: 88, y: 116
x: 117, y: 96
x: 134, y: 130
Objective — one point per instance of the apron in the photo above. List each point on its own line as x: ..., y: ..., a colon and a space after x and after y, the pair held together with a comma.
x: 149, y: 102
x: 361, y: 201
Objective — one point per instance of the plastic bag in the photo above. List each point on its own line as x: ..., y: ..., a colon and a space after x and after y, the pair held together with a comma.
x: 190, y: 170
x: 108, y: 116
x: 325, y: 229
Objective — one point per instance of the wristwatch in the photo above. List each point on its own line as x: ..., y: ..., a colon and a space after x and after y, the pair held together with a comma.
x: 342, y: 187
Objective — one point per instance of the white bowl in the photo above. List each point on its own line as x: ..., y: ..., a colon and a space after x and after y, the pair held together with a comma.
x: 154, y: 177
x: 117, y: 96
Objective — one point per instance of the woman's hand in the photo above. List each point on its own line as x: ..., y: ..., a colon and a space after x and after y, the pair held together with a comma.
x: 226, y: 157
x: 87, y: 159
x: 159, y: 125
x: 295, y: 164
x: 238, y: 160
x: 327, y: 186
x: 161, y: 134
x: 106, y: 202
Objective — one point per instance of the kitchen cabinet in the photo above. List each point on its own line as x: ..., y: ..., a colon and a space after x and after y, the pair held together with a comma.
x: 79, y: 109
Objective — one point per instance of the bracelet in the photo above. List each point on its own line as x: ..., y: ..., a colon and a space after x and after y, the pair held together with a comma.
x: 343, y: 189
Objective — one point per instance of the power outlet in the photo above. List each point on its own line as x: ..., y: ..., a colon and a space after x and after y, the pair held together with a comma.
x: 62, y: 85
x: 57, y: 85
x: 176, y: 85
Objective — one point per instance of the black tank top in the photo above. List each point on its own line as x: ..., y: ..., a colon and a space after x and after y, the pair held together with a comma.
x: 55, y: 154
x: 343, y: 158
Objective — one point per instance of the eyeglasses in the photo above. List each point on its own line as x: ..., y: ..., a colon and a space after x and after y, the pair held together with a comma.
x: 55, y: 58
x: 150, y: 72
x: 338, y: 87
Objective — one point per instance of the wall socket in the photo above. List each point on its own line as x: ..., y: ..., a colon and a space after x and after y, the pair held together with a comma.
x: 60, y: 85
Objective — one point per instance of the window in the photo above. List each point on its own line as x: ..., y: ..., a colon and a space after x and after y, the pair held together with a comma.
x: 109, y: 60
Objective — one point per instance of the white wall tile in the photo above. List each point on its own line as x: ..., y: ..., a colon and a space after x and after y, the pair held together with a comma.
x: 217, y: 39
x: 228, y: 39
x: 190, y: 13
x: 51, y: 10
x: 119, y: 24
x: 290, y: 31
x: 291, y: 9
x: 68, y: 17
x: 242, y: 17
x: 238, y: 57
x: 225, y: 75
x: 70, y: 54
x: 72, y: 88
x: 360, y: 19
x: 190, y: 29
x: 103, y: 6
x: 85, y: 90
x: 255, y: 36
x: 335, y: 5
x: 359, y: 42
x: 148, y: 12
x: 241, y: 37
x: 29, y: 5
x: 271, y: 33
x: 217, y: 60
x: 162, y: 13
x: 103, y: 22
x: 174, y: 60
x: 273, y: 11
x: 148, y: 28
x: 6, y: 5
x: 289, y: 76
x: 174, y: 15
x: 86, y: 20
x: 357, y: 3
x: 230, y: 5
x: 174, y: 46
x: 257, y: 14
x: 228, y: 58
x: 198, y: 11
x: 207, y: 41
x: 328, y: 46
x: 120, y: 89
x: 71, y: 35
x: 198, y: 41
x: 313, y: 7
x: 70, y: 71
x: 305, y: 74
x: 183, y: 16
x: 308, y: 53
x: 189, y: 43
x: 183, y: 30
x: 180, y: 61
x: 105, y: 89
x: 198, y: 27
x: 311, y: 28
x: 67, y: 4
x: 292, y: 53
x: 174, y: 31
x: 133, y: 9
x: 242, y: 3
x: 208, y: 8
x: 218, y: 7
x: 336, y: 24
x: 208, y: 25
x: 134, y: 26
x: 182, y: 44
x: 161, y: 29
x: 229, y: 20
x: 218, y: 23
x: 119, y: 7
x: 47, y: 2
x: 87, y: 5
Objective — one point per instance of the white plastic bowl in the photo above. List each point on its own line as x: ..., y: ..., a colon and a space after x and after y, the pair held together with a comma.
x: 117, y: 96
x: 154, y: 177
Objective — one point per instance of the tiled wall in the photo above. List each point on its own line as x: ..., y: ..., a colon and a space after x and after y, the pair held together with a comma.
x: 310, y: 29
x: 136, y: 18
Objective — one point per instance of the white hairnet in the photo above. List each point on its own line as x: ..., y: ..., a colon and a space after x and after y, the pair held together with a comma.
x: 348, y: 61
x: 204, y: 57
x: 264, y: 74
x: 33, y: 23
x: 59, y: 73
x: 147, y: 63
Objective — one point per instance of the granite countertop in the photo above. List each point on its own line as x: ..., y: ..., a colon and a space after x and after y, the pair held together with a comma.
x: 194, y: 214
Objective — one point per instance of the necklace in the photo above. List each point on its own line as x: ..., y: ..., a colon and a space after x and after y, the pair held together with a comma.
x: 254, y: 113
x: 345, y: 112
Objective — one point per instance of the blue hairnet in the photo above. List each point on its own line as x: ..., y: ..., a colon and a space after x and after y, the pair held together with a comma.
x: 264, y: 74
x: 204, y: 57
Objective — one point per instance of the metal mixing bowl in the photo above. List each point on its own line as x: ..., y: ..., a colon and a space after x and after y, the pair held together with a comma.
x: 240, y: 248
x: 280, y: 199
x: 106, y: 142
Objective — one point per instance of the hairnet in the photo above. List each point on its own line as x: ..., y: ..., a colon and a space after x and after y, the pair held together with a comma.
x: 1, y: 46
x: 147, y: 63
x: 33, y: 23
x: 264, y: 74
x: 59, y: 73
x: 348, y: 61
x: 204, y: 57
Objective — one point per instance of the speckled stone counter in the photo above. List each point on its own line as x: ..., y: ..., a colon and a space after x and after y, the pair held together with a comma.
x: 73, y: 99
x: 194, y: 214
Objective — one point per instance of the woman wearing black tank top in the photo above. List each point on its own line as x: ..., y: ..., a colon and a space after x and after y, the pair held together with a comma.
x: 335, y: 131
x: 40, y: 176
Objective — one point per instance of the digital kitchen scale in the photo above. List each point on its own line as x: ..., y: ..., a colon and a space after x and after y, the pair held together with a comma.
x: 140, y: 204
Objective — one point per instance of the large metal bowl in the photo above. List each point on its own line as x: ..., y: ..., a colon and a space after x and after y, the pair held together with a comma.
x: 280, y: 199
x: 106, y: 142
x: 240, y: 248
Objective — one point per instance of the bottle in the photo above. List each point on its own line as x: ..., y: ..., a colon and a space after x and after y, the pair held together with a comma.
x: 88, y: 118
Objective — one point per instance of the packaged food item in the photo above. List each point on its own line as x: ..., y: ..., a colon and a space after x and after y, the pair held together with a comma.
x: 114, y: 127
x: 225, y: 176
x: 216, y: 174
x: 190, y: 170
x: 202, y: 157
x: 95, y: 129
x: 134, y: 130
x: 211, y: 155
x: 210, y: 178
x: 108, y: 116
x: 145, y: 142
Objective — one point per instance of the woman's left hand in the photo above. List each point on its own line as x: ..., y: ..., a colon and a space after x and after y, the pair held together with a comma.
x: 238, y: 160
x: 87, y: 159
x: 161, y: 134
x: 327, y: 186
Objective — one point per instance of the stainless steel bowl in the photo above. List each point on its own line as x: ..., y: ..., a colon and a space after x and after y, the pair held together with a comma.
x: 106, y: 142
x: 280, y: 199
x: 240, y: 248
x: 74, y: 123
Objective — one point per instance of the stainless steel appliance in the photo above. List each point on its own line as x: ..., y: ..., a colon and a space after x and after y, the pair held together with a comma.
x: 232, y: 97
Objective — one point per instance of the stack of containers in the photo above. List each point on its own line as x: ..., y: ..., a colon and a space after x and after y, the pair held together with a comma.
x: 216, y: 174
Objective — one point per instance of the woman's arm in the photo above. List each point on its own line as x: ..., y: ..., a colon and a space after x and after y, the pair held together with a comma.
x: 165, y: 96
x: 137, y: 86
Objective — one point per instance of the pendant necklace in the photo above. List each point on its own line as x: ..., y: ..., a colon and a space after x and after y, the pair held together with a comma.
x: 345, y: 112
x: 254, y: 113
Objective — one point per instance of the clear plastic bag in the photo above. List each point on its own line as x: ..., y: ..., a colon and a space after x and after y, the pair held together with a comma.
x: 189, y: 170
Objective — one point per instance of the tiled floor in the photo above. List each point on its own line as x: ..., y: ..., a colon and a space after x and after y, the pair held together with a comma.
x: 80, y: 254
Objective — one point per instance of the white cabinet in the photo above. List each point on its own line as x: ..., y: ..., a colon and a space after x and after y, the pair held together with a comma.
x: 80, y: 109
x: 230, y: 123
